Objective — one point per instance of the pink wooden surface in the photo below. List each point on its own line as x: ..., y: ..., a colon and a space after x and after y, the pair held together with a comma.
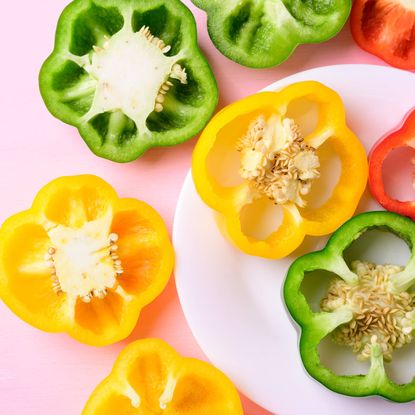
x: 42, y: 373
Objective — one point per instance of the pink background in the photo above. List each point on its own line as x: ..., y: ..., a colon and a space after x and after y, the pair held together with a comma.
x: 42, y: 373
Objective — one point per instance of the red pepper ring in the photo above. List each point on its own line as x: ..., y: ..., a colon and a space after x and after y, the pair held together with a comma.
x: 385, y: 28
x: 402, y: 137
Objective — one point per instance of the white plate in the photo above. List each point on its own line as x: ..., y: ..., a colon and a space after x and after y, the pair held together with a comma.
x: 232, y: 301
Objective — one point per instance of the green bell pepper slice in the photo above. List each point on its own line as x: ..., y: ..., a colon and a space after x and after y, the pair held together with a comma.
x: 264, y: 33
x: 368, y: 307
x: 129, y: 75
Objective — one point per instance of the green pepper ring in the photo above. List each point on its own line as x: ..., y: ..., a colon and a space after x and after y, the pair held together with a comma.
x: 66, y: 88
x: 315, y: 326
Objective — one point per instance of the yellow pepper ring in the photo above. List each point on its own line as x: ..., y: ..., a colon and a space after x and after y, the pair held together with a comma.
x: 297, y: 223
x: 83, y: 261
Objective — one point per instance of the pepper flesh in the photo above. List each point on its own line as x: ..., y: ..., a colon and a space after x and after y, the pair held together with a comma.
x: 83, y: 261
x: 129, y: 75
x: 386, y: 28
x: 227, y: 127
x: 149, y: 377
x: 264, y: 33
x: 403, y: 137
x: 315, y: 326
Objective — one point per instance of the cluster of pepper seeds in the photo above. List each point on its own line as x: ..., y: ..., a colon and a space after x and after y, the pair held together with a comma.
x: 113, y: 239
x: 98, y: 293
x: 276, y: 161
x: 379, y: 316
x: 177, y: 72
x: 145, y: 30
x: 161, y: 96
x: 51, y: 264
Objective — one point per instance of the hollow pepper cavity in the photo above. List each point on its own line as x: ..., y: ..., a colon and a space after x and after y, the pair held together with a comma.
x: 83, y: 261
x: 129, y: 75
x: 403, y: 137
x: 276, y: 162
x: 264, y: 33
x: 150, y: 377
x: 369, y: 308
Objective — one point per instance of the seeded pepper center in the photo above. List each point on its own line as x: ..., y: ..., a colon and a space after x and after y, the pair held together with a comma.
x: 276, y: 161
x: 380, y: 316
x: 83, y: 261
x: 133, y: 73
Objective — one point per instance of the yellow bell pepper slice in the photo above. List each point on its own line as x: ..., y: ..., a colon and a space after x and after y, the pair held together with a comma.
x: 149, y: 377
x: 83, y: 261
x: 216, y: 148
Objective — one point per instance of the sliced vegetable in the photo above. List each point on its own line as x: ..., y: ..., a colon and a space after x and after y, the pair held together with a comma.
x: 403, y: 137
x: 368, y: 307
x: 129, y: 75
x: 149, y: 377
x: 274, y: 162
x: 386, y: 28
x: 83, y: 261
x: 264, y: 33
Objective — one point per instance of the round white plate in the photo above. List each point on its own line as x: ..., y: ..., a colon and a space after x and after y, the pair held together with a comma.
x: 232, y: 301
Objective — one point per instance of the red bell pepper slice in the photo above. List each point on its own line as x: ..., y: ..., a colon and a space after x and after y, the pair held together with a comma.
x: 403, y: 137
x: 386, y: 28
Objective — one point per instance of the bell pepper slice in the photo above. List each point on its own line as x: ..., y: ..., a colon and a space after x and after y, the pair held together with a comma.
x: 150, y: 377
x: 128, y: 75
x: 83, y: 261
x: 403, y: 137
x: 386, y: 28
x: 223, y: 133
x: 369, y: 308
x: 262, y: 34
